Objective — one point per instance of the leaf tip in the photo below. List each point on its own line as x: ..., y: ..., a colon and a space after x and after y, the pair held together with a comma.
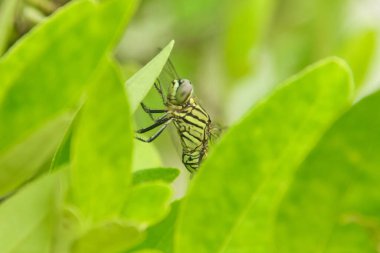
x: 345, y: 67
x: 338, y: 66
x: 169, y: 47
x: 171, y: 43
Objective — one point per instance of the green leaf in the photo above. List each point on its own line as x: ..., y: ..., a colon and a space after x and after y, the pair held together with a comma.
x: 148, y: 251
x: 7, y: 17
x: 256, y: 158
x: 27, y: 219
x: 358, y: 51
x: 333, y: 204
x: 147, y: 203
x: 161, y: 235
x: 110, y: 237
x: 42, y: 78
x: 141, y: 82
x: 19, y: 163
x: 167, y: 175
x: 68, y: 227
x: 62, y: 153
x: 149, y: 152
x: 145, y: 156
x: 102, y: 148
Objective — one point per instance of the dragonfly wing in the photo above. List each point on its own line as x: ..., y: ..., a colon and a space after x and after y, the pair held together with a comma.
x: 215, y: 131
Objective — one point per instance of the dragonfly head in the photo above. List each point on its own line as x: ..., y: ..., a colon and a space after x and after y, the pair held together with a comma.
x: 180, y: 91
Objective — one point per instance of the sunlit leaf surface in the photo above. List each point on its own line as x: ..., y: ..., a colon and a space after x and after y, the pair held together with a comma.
x: 157, y: 174
x: 140, y: 83
x: 333, y: 203
x: 43, y: 76
x: 110, y: 237
x: 101, y: 152
x: 147, y: 203
x: 237, y: 190
x: 27, y: 220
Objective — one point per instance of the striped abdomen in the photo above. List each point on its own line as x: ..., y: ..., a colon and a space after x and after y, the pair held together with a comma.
x: 192, y: 123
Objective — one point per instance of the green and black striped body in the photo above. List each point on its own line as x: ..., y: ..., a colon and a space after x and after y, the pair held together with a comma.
x: 193, y: 124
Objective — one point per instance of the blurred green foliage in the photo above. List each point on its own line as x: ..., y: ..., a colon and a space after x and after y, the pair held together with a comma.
x: 297, y: 173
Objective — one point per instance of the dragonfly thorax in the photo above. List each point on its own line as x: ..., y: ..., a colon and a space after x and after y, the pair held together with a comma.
x: 180, y: 92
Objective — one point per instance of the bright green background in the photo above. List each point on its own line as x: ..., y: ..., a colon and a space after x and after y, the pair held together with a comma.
x: 293, y: 84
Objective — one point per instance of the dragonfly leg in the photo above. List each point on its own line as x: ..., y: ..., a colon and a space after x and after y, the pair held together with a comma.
x: 150, y: 112
x: 158, y: 123
x: 154, y: 136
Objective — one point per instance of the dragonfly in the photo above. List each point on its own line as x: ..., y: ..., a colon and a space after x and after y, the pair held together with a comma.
x: 191, y: 120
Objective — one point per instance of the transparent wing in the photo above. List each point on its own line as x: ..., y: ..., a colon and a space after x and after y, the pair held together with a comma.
x: 168, y: 74
x: 169, y: 68
x: 166, y: 77
x: 215, y: 132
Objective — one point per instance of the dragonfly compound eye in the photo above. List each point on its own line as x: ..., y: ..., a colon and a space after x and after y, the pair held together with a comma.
x: 184, y: 91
